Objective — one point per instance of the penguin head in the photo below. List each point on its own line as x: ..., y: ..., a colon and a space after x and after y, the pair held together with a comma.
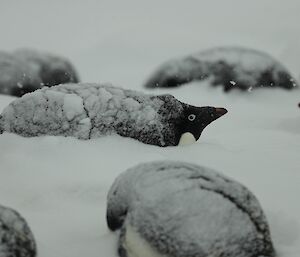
x: 23, y: 89
x: 194, y: 120
x: 52, y: 77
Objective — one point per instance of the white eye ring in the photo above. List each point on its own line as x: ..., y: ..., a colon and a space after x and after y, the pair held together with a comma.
x: 191, y: 117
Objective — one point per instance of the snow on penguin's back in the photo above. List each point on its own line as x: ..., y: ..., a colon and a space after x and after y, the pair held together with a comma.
x: 230, y: 67
x: 16, y: 238
x: 26, y: 70
x: 176, y: 209
x: 89, y: 111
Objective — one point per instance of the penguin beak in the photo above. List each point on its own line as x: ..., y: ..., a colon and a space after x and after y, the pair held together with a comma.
x: 220, y: 112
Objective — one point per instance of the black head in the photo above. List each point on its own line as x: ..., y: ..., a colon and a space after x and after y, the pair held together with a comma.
x: 195, y: 119
x: 52, y: 75
x: 55, y: 77
x: 20, y: 90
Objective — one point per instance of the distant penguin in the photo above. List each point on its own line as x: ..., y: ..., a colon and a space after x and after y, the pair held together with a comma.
x: 175, y: 209
x: 26, y: 70
x: 89, y: 111
x: 16, y: 238
x: 230, y: 67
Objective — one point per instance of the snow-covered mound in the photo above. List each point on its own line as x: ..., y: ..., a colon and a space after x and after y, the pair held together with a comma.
x: 16, y: 238
x: 184, y: 210
x: 89, y: 111
x: 230, y: 67
x: 26, y: 70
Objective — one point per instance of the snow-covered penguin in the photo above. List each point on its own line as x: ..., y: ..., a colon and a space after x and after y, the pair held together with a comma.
x: 16, y: 238
x: 26, y: 70
x: 89, y: 111
x: 174, y: 209
x: 230, y: 67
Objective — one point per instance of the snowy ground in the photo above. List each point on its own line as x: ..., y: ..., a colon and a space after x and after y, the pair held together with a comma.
x: 60, y: 184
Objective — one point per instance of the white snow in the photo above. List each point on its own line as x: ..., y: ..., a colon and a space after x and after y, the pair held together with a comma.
x: 246, y: 60
x: 73, y: 106
x: 60, y: 184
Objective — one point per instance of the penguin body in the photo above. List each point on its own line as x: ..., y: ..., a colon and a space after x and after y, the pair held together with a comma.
x: 16, y: 238
x: 89, y: 111
x: 175, y: 209
x: 230, y: 67
x: 26, y: 70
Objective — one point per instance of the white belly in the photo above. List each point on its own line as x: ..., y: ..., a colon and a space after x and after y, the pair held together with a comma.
x: 187, y: 139
x: 136, y: 246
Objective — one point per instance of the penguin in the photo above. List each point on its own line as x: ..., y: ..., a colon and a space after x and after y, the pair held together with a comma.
x: 16, y: 238
x: 87, y: 111
x: 177, y: 209
x: 230, y: 67
x: 27, y: 70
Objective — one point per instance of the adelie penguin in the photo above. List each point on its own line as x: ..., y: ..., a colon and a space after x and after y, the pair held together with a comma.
x: 26, y: 70
x: 229, y: 67
x: 175, y: 209
x: 89, y: 111
x: 16, y: 238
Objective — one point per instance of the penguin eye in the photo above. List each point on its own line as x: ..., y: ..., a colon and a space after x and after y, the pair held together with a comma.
x: 191, y: 117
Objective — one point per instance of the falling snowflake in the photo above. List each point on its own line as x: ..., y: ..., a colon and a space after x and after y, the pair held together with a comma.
x: 20, y: 85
